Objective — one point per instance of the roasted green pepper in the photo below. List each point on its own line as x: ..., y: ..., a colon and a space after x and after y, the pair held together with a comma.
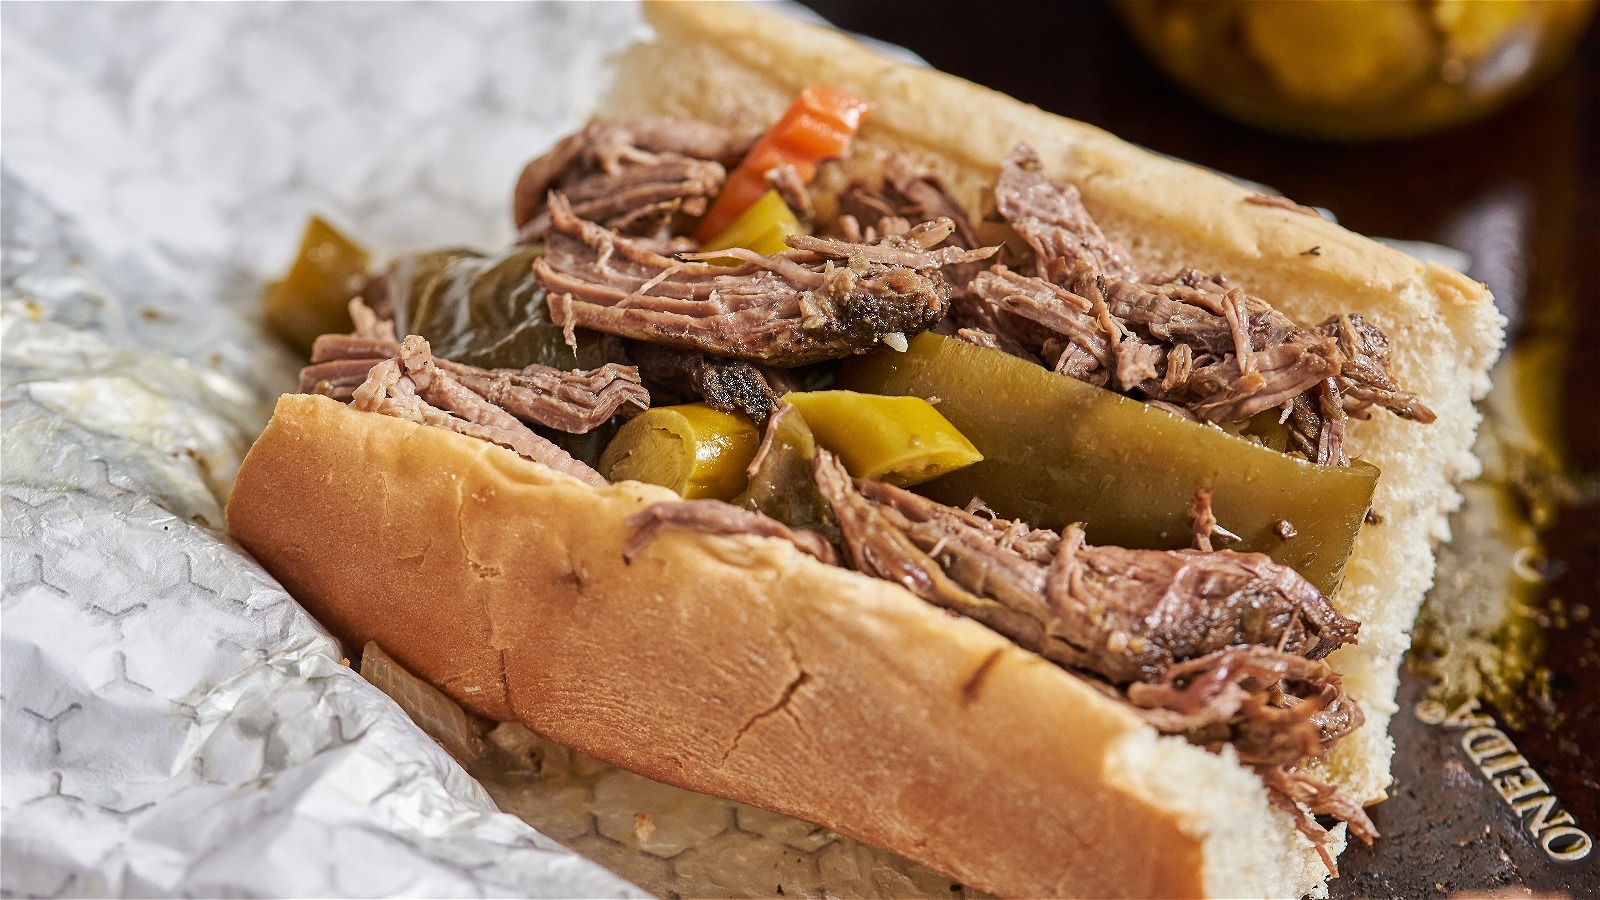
x: 484, y: 310
x: 900, y: 440
x: 693, y: 449
x: 1057, y: 450
x: 781, y: 483
x: 312, y: 299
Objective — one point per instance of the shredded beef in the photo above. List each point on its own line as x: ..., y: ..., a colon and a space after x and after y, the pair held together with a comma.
x: 786, y: 180
x: 1215, y: 646
x: 717, y: 517
x: 830, y: 300
x: 1070, y: 337
x: 1288, y: 789
x: 412, y: 387
x: 1052, y: 220
x: 1276, y: 710
x: 1188, y: 342
x: 1364, y: 379
x: 1281, y: 202
x: 1125, y: 615
x: 576, y: 402
x: 905, y: 197
x: 631, y: 176
x: 1275, y: 707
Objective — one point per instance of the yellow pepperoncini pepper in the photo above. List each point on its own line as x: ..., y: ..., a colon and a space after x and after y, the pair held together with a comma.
x: 761, y: 228
x: 312, y: 299
x: 693, y: 449
x: 899, y: 440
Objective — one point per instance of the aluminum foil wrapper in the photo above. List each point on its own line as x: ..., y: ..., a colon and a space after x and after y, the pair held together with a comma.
x: 174, y: 723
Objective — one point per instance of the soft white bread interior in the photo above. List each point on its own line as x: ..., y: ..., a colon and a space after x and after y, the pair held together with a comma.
x: 737, y: 666
x: 738, y: 63
x: 740, y: 667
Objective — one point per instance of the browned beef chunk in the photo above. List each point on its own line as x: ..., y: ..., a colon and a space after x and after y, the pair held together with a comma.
x: 734, y: 387
x: 1125, y: 615
x: 631, y: 176
x: 829, y: 300
x: 687, y: 375
x: 575, y: 402
x: 411, y: 386
x: 717, y: 517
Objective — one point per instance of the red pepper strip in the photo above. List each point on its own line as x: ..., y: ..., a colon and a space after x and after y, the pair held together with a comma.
x: 817, y: 126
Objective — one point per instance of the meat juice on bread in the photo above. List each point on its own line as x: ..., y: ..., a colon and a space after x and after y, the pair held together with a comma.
x: 985, y: 686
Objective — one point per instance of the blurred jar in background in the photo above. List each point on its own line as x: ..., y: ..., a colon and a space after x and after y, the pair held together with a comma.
x: 1357, y: 69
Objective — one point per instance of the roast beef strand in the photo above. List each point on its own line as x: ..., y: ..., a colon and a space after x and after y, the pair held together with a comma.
x: 907, y: 197
x: 1288, y: 788
x: 1189, y: 341
x: 1082, y: 347
x: 1276, y: 708
x: 686, y: 375
x: 411, y: 386
x: 911, y: 248
x: 1218, y: 647
x: 1052, y: 220
x: 1124, y: 615
x: 632, y: 176
x: 1364, y: 379
x: 832, y: 300
x: 791, y: 188
x: 717, y: 517
x: 576, y: 402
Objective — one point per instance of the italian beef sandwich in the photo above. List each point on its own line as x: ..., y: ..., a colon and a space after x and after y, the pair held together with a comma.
x: 848, y: 440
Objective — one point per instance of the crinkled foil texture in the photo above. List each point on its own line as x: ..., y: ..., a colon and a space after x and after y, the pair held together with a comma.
x: 173, y: 722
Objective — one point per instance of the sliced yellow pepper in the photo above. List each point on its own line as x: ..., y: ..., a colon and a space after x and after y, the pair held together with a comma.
x: 899, y: 440
x: 312, y: 299
x: 693, y: 449
x: 761, y: 228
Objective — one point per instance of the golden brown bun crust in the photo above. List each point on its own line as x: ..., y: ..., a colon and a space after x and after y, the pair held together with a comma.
x: 735, y: 666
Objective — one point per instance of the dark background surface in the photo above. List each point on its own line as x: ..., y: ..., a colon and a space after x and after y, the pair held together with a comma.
x: 1520, y: 192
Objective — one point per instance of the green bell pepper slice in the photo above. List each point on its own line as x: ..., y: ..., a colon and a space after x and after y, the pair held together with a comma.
x: 1057, y: 450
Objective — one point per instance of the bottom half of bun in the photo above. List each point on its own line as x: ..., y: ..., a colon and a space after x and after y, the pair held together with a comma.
x: 739, y: 667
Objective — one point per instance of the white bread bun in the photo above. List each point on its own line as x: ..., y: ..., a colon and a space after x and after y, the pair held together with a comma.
x: 740, y: 667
